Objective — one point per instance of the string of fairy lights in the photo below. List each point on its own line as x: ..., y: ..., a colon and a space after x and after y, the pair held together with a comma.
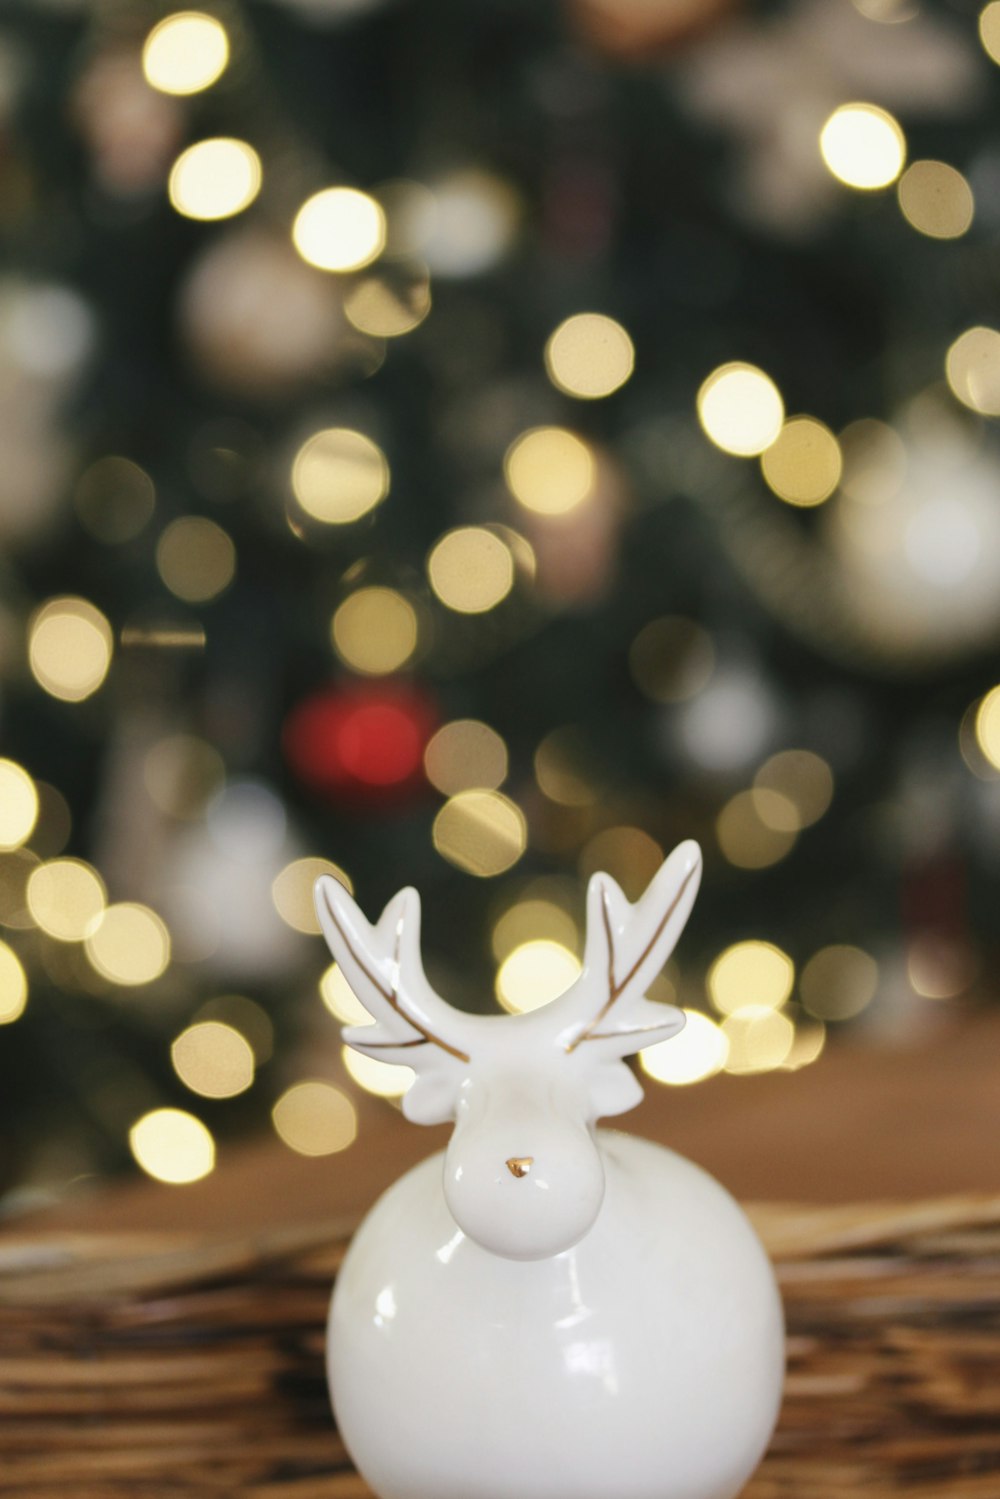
x: 753, y: 1010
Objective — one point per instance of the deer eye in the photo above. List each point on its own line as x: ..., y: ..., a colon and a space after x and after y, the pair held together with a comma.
x: 520, y: 1165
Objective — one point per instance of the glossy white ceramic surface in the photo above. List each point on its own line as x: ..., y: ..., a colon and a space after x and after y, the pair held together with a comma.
x: 646, y: 1362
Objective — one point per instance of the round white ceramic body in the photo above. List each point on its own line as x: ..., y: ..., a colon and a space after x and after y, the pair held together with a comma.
x: 644, y: 1363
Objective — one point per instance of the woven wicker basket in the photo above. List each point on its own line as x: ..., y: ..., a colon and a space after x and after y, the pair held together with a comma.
x: 153, y: 1367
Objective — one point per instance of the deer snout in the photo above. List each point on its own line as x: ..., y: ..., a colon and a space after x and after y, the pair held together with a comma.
x: 519, y: 1165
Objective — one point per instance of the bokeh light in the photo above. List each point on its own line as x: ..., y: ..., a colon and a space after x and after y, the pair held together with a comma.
x: 185, y: 53
x: 215, y: 179
x: 340, y: 999
x: 534, y: 973
x: 939, y: 966
x: 972, y: 369
x: 671, y: 659
x: 800, y: 777
x: 213, y: 1059
x: 629, y: 855
x: 700, y: 1050
x: 339, y: 229
x: 18, y: 804
x: 114, y: 499
x: 759, y: 1038
x: 989, y: 29
x: 803, y: 464
x: 863, y: 146
x: 387, y: 308
x: 65, y: 897
x: 172, y: 1146
x: 375, y: 630
x: 987, y: 726
x: 471, y: 569
x: 531, y: 920
x: 750, y: 973
x: 292, y: 891
x: 466, y: 755
x: 481, y: 832
x: 838, y: 982
x: 384, y: 1079
x: 315, y: 1118
x: 757, y: 828
x: 128, y: 944
x: 196, y: 559
x: 246, y: 1017
x: 69, y: 648
x: 564, y: 769
x: 549, y: 470
x: 181, y: 774
x: 740, y: 409
x: 936, y: 199
x: 13, y: 985
x: 589, y: 356
x: 874, y: 461
x: 339, y: 475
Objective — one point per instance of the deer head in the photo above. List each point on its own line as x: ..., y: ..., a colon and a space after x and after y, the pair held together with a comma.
x: 523, y: 1175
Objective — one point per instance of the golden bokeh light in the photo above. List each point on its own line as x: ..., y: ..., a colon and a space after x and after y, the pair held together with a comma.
x: 181, y: 773
x: 531, y: 920
x: 801, y: 777
x: 700, y: 1050
x: 381, y: 1078
x: 292, y: 891
x: 172, y: 1146
x: 185, y: 53
x: 936, y: 199
x: 563, y: 768
x: 18, y: 805
x: 671, y: 659
x: 114, y: 499
x: 757, y: 828
x: 863, y: 146
x: 69, y: 648
x: 375, y: 631
x: 466, y: 755
x: 803, y: 464
x: 807, y: 1045
x: 15, y: 871
x: 750, y: 973
x: 481, y: 832
x: 339, y: 475
x: 549, y: 470
x: 874, y: 461
x: 589, y: 356
x: 939, y: 966
x: 246, y: 1017
x: 989, y: 29
x: 387, y: 308
x: 340, y: 999
x: 65, y: 897
x: 339, y: 229
x: 471, y: 569
x: 129, y: 944
x: 987, y: 726
x: 215, y: 179
x: 628, y: 855
x: 213, y: 1059
x: 315, y: 1118
x: 759, y: 1039
x: 740, y: 409
x: 196, y: 559
x: 13, y: 986
x: 972, y: 369
x: 535, y: 973
x: 838, y: 982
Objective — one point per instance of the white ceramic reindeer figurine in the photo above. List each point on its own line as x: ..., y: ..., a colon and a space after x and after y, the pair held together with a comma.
x: 546, y: 1310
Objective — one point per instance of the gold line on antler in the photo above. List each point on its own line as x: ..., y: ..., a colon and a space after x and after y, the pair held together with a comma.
x: 391, y: 996
x: 616, y: 989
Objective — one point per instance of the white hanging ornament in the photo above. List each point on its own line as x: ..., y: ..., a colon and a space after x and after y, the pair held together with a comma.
x: 546, y: 1309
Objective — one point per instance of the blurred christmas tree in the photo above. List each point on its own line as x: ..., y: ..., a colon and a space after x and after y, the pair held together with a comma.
x: 397, y: 474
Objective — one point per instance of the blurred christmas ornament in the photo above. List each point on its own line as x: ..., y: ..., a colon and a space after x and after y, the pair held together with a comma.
x: 258, y: 320
x: 131, y: 130
x: 461, y: 223
x: 921, y: 552
x: 774, y: 82
x: 361, y: 743
x: 642, y: 28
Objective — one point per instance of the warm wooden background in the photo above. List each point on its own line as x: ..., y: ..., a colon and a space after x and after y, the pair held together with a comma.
x: 865, y: 1122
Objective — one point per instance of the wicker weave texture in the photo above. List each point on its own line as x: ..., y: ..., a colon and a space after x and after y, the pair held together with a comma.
x: 149, y: 1367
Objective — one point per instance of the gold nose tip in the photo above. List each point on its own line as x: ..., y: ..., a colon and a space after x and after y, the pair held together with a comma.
x: 520, y: 1165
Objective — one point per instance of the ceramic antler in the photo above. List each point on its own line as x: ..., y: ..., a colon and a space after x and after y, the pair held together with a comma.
x: 590, y: 1314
